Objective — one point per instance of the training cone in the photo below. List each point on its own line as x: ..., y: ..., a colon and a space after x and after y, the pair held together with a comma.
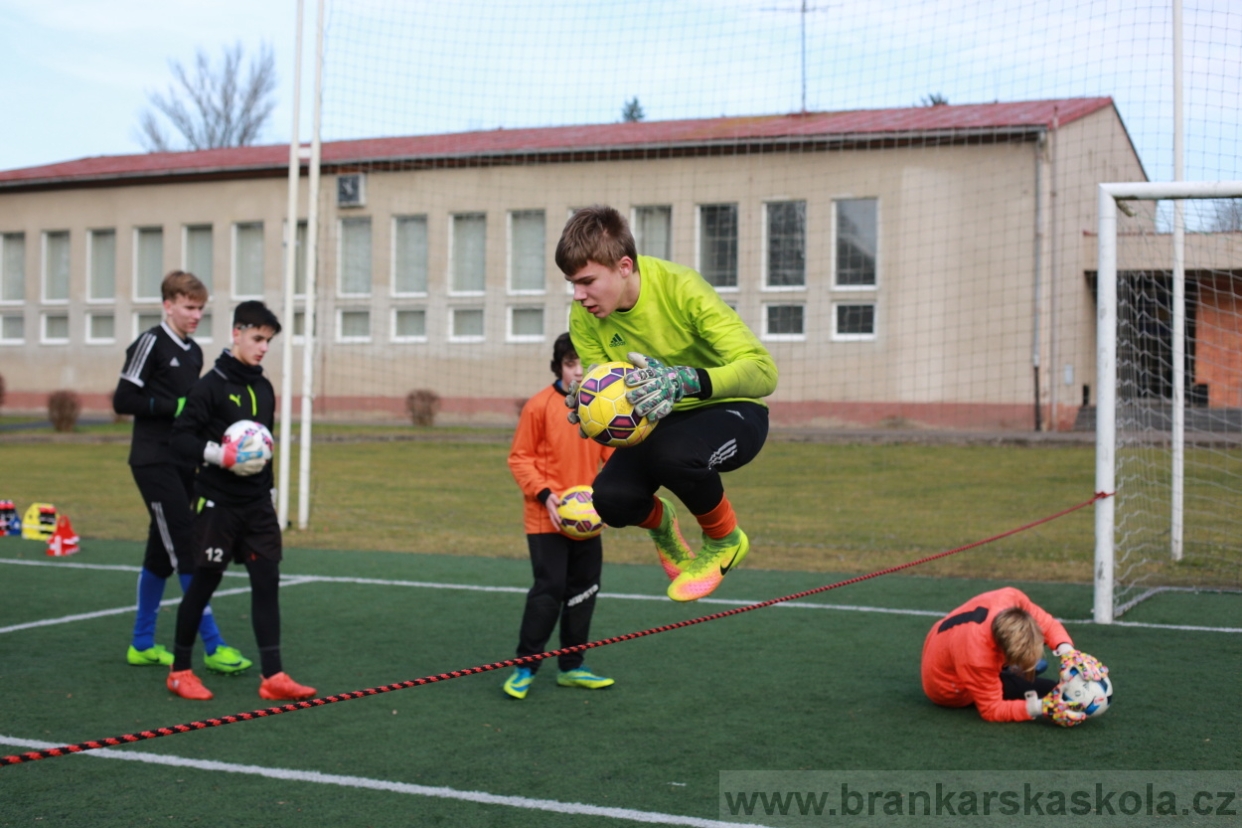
x: 64, y: 540
x: 39, y: 522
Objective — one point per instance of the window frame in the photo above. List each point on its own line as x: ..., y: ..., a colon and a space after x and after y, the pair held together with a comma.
x: 44, y: 316
x: 468, y: 339
x: 43, y: 271
x: 393, y: 239
x: 341, y: 222
x: 452, y: 254
x: 11, y: 303
x: 837, y: 336
x: 636, y: 225
x: 90, y: 267
x: 394, y: 336
x: 89, y: 338
x: 210, y: 281
x: 510, y: 290
x: 341, y: 338
x: 737, y: 243
x: 135, y: 295
x: 836, y: 242
x: 8, y: 312
x: 234, y: 260
x: 510, y: 336
x: 768, y: 336
x: 767, y: 285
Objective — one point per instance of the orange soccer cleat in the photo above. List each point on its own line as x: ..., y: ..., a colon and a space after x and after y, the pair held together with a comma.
x: 282, y: 688
x: 186, y: 685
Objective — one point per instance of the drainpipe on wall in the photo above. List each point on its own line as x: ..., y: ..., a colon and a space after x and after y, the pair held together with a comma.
x: 1054, y: 313
x: 1038, y: 281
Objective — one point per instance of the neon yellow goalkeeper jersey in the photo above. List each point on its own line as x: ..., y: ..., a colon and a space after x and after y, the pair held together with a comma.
x: 681, y: 320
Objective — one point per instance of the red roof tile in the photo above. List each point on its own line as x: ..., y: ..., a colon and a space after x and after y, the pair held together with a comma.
x: 243, y: 161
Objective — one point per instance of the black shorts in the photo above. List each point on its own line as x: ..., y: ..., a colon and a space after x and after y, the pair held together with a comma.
x: 236, y: 533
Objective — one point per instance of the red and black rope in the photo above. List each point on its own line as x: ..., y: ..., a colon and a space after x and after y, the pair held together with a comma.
x: 130, y: 738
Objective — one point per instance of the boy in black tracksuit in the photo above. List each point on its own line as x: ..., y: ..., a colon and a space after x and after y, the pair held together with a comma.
x: 235, y: 520
x: 161, y: 366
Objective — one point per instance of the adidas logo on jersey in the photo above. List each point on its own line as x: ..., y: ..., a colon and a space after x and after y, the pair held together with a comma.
x: 616, y: 341
x: 175, y: 363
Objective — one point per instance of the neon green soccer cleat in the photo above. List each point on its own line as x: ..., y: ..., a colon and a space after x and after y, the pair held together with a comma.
x: 672, y: 548
x: 151, y: 657
x: 227, y: 660
x: 702, y: 575
x: 584, y: 678
x: 518, y: 684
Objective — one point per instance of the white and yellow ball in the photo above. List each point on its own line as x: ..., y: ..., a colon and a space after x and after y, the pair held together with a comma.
x: 603, y: 411
x: 579, y: 520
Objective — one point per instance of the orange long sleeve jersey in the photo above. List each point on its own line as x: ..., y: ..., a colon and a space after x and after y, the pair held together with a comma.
x: 547, y: 453
x: 962, y: 662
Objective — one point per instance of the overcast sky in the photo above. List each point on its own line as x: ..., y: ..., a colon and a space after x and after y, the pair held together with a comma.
x: 77, y: 73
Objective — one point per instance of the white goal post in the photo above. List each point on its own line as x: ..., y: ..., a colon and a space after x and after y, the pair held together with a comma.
x: 1110, y: 195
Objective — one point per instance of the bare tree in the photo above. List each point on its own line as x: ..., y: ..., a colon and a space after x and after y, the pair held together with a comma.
x: 935, y: 99
x: 1227, y: 215
x: 212, y: 106
x: 632, y: 111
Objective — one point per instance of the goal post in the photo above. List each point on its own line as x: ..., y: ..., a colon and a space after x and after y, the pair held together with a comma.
x: 1117, y: 591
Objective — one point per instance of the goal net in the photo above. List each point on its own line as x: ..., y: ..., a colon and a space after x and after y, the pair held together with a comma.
x: 1170, y: 430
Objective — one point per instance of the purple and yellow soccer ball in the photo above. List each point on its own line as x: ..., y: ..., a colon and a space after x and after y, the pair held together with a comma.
x: 603, y: 411
x: 579, y: 520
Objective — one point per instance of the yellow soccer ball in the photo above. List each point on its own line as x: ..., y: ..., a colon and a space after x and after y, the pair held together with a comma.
x: 603, y: 411
x: 579, y: 520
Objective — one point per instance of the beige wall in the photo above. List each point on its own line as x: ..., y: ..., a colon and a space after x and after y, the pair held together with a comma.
x: 954, y: 297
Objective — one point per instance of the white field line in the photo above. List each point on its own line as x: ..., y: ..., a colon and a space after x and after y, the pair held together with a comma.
x: 361, y: 782
x: 167, y: 602
x: 619, y: 596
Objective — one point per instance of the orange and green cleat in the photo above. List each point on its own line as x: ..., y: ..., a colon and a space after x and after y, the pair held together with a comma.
x: 282, y: 688
x: 670, y: 545
x: 186, y: 685
x: 715, y: 559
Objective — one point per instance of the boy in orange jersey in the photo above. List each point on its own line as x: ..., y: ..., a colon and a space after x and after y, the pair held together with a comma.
x: 986, y: 653
x: 547, y: 458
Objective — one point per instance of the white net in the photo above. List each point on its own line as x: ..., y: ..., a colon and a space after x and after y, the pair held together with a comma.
x: 895, y: 199
x: 1152, y: 553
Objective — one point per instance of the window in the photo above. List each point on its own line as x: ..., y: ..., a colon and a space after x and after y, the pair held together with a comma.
x: 56, y: 266
x: 146, y: 320
x: 199, y: 255
x: 786, y: 322
x: 525, y: 325
x: 718, y: 244
x: 469, y: 265
x: 101, y: 272
x: 527, y: 264
x: 409, y: 256
x: 248, y: 260
x: 12, y: 267
x: 856, y: 242
x: 55, y: 329
x: 466, y: 325
x: 299, y: 327
x: 786, y: 237
x: 355, y: 261
x: 204, y: 332
x: 409, y: 325
x: 853, y: 321
x: 12, y: 329
x: 653, y: 231
x: 100, y: 328
x: 148, y: 262
x: 353, y: 326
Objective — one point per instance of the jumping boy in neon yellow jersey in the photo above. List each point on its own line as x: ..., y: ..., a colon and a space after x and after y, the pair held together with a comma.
x: 701, y: 374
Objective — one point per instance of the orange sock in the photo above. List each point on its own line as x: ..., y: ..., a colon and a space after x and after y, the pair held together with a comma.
x: 719, y: 521
x: 652, y: 521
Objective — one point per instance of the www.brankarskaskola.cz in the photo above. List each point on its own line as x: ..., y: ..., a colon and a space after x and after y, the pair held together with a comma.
x: 948, y: 801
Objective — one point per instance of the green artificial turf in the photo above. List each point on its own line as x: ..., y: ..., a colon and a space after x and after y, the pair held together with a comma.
x: 781, y: 688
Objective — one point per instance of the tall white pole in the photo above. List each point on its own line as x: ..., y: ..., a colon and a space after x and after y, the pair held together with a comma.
x: 291, y: 237
x: 1178, y: 498
x: 1105, y: 405
x: 312, y: 245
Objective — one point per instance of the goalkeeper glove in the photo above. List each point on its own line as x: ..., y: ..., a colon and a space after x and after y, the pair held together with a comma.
x: 1076, y: 662
x: 240, y: 463
x: 656, y: 387
x: 1063, y: 713
x: 571, y: 402
x: 180, y: 406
